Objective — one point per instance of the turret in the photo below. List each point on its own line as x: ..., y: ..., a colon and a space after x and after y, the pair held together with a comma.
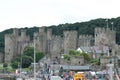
x: 23, y: 33
x: 15, y: 31
x: 41, y: 29
x: 49, y: 34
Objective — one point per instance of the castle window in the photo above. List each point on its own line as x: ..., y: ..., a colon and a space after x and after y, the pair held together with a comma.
x: 110, y: 50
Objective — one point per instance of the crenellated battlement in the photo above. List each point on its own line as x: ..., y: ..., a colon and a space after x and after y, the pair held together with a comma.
x: 23, y: 33
x: 85, y: 36
x: 104, y: 36
x: 15, y: 31
x: 85, y: 40
x: 54, y: 45
x: 100, y: 30
x: 103, y: 30
x: 69, y: 33
x: 41, y: 29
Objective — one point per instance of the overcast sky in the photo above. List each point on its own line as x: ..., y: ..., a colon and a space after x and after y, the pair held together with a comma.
x: 29, y: 13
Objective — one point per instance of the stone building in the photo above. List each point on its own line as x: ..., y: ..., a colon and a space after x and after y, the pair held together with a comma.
x: 54, y: 46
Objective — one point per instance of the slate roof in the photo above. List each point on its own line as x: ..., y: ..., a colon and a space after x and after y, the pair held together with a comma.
x: 78, y: 68
x: 95, y: 49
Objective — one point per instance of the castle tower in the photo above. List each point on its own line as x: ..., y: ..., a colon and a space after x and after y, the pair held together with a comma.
x: 15, y: 31
x: 24, y: 37
x: 40, y: 40
x: 41, y: 29
x: 70, y: 40
x: 49, y: 34
x: 49, y: 42
x: 23, y: 33
x: 56, y: 47
x: 11, y: 45
x: 104, y: 36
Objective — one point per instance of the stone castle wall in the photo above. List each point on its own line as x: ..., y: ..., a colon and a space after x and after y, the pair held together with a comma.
x: 14, y: 44
x: 85, y: 40
x: 54, y: 45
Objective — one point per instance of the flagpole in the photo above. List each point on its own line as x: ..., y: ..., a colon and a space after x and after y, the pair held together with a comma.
x: 34, y: 60
x: 112, y: 25
x: 107, y: 22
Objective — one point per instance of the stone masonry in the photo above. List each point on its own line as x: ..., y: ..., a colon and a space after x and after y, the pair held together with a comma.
x: 53, y: 45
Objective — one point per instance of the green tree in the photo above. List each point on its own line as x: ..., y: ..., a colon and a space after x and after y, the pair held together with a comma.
x: 86, y: 56
x: 39, y: 55
x: 72, y: 52
x: 95, y: 62
x: 77, y: 53
x: 5, y: 65
x: 67, y: 57
x: 29, y: 51
x: 26, y: 61
x: 27, y: 58
x: 14, y: 64
x: 17, y: 59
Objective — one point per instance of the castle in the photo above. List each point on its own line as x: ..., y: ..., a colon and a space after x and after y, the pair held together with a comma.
x: 103, y: 41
